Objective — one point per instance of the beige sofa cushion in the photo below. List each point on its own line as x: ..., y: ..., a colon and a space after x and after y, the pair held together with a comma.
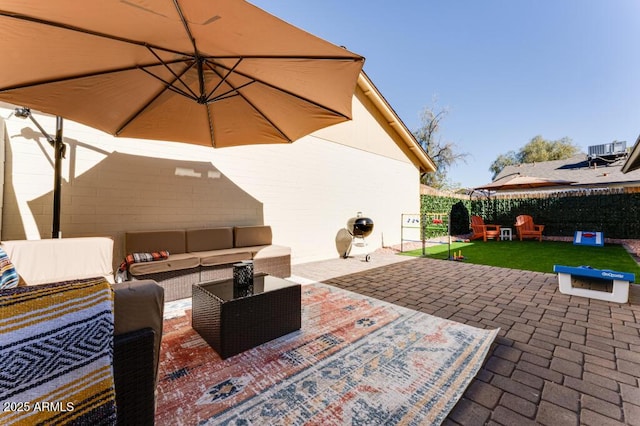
x: 209, y: 239
x: 61, y: 259
x: 137, y: 305
x: 149, y: 241
x: 175, y: 262
x: 224, y: 256
x: 263, y: 252
x: 247, y: 236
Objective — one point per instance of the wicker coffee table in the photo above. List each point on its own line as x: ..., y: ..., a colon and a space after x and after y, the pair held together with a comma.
x: 233, y: 319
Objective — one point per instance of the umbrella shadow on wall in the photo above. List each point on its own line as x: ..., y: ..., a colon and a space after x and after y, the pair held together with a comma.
x: 125, y: 192
x: 29, y: 134
x: 9, y: 198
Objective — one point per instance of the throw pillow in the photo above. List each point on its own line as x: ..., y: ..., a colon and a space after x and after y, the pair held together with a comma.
x: 132, y: 258
x: 56, y: 354
x: 8, y: 275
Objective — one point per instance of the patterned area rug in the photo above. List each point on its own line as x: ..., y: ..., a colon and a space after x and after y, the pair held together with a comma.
x: 356, y: 360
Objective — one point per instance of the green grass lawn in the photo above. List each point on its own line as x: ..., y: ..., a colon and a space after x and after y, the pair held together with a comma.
x: 536, y: 256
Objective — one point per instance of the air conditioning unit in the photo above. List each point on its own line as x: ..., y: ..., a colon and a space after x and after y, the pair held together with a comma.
x: 613, y: 149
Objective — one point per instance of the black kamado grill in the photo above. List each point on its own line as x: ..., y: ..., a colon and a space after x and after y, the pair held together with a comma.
x: 359, y: 227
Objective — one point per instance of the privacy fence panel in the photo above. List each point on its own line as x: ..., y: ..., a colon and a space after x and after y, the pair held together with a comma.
x: 435, y: 205
x: 615, y: 213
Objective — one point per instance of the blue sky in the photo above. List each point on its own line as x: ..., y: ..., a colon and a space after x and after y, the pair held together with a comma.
x: 508, y: 70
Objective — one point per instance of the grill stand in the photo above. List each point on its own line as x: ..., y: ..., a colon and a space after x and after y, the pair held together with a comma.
x: 360, y: 246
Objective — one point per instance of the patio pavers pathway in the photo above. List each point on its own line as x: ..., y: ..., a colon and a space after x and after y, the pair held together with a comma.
x: 558, y: 360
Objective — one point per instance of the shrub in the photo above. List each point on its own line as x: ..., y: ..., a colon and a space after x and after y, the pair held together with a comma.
x: 459, y: 219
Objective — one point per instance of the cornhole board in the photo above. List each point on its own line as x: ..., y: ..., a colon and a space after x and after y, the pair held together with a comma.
x: 602, y: 284
x: 588, y: 238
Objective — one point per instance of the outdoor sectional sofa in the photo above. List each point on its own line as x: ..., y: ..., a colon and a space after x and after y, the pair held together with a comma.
x: 205, y: 254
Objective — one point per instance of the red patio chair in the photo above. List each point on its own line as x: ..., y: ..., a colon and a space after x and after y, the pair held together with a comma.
x: 527, y: 229
x: 484, y: 231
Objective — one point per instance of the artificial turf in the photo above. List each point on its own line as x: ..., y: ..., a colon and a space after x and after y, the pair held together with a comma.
x: 532, y: 255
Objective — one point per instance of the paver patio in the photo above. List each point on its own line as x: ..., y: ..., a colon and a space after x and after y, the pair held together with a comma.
x: 558, y: 360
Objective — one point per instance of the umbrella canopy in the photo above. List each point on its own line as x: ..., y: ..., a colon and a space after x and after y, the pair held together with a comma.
x: 515, y: 182
x: 218, y: 73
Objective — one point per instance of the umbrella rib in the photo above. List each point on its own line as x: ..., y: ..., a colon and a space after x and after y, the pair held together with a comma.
x: 279, y: 89
x: 274, y: 125
x: 18, y: 16
x: 314, y: 57
x: 171, y: 87
x: 194, y: 95
x: 145, y: 106
x: 199, y: 59
x: 229, y: 94
x: 87, y: 75
x: 223, y: 79
x: 21, y: 17
x: 185, y: 25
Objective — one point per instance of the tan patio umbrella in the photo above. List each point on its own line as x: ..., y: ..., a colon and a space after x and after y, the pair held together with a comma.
x: 517, y: 181
x: 208, y: 72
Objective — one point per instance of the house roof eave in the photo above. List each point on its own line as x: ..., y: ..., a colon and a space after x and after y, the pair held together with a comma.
x: 370, y: 90
x: 633, y: 160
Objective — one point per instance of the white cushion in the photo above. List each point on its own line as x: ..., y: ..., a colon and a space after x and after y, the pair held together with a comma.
x: 61, y: 259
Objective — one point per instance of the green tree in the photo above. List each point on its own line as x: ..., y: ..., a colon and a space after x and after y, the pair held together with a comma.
x: 503, y: 160
x: 538, y: 149
x: 443, y: 153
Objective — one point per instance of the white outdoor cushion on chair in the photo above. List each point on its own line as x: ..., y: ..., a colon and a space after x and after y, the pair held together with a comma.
x: 61, y: 259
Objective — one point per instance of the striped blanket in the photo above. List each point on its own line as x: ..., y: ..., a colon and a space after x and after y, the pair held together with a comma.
x: 56, y: 354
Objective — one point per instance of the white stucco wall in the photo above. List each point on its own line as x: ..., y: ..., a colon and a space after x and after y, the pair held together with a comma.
x: 306, y: 190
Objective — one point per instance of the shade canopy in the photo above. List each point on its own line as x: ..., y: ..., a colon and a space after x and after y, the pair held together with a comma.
x: 217, y: 73
x: 515, y: 182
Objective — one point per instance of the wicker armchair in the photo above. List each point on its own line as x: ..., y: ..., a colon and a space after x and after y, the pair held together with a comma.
x: 135, y: 377
x: 137, y: 312
x: 66, y: 332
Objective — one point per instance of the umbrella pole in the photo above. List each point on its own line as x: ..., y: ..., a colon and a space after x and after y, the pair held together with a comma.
x: 449, y: 236
x: 57, y: 179
x: 59, y: 150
